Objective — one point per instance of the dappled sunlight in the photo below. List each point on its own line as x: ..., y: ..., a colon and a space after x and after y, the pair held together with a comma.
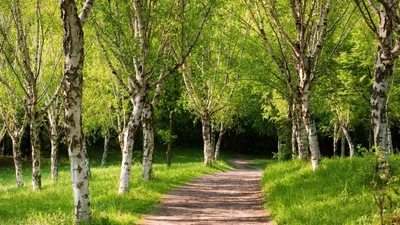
x: 53, y: 204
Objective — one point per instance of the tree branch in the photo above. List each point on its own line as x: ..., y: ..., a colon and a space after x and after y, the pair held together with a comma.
x: 84, y: 15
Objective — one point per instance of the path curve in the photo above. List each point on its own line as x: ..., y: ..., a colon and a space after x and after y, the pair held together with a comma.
x: 232, y: 197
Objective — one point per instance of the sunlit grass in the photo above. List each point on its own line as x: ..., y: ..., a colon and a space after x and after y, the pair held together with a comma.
x: 54, y: 203
x: 338, y: 193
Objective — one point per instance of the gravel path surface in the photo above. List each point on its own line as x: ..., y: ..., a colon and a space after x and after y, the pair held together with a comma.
x: 232, y: 197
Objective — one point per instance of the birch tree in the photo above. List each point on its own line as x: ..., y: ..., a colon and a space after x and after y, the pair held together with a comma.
x: 54, y: 113
x: 73, y: 22
x: 283, y: 80
x: 382, y: 18
x: 135, y: 53
x: 26, y: 61
x: 15, y: 126
x: 210, y: 75
x: 304, y: 44
x: 224, y: 120
x: 11, y: 104
x: 344, y: 119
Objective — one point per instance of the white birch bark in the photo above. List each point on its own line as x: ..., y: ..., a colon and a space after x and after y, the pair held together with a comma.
x: 16, y: 132
x: 378, y: 112
x: 383, y: 71
x: 383, y: 25
x: 125, y: 175
x: 148, y: 141
x: 105, y: 151
x: 390, y: 142
x: 335, y: 139
x: 87, y: 162
x: 54, y: 157
x: 171, y: 132
x: 53, y: 113
x: 309, y: 123
x: 222, y: 131
x: 17, y: 156
x: 349, y: 142
x: 301, y: 136
x: 294, y: 136
x: 35, y: 145
x: 72, y: 94
x: 311, y: 31
x: 206, y: 130
x: 30, y: 76
x: 292, y: 120
x: 129, y: 133
x: 212, y: 137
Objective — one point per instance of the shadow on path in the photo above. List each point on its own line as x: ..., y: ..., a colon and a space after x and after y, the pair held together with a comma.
x: 232, y: 197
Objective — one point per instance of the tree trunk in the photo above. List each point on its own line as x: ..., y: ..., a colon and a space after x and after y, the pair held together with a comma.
x: 291, y: 117
x: 309, y: 124
x: 205, y: 120
x: 301, y: 136
x: 148, y: 141
x: 378, y: 112
x: 349, y: 142
x: 72, y: 93
x: 121, y: 140
x: 213, y: 134
x: 87, y: 162
x: 343, y: 147
x: 335, y: 140
x: 35, y: 145
x: 129, y: 135
x: 106, y: 140
x: 17, y: 156
x: 293, y: 140
x: 390, y: 142
x: 279, y: 146
x: 171, y: 133
x: 54, y: 157
x: 389, y: 132
x: 218, y: 145
x: 54, y: 142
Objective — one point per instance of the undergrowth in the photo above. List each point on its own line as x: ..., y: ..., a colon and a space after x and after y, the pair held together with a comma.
x: 342, y: 191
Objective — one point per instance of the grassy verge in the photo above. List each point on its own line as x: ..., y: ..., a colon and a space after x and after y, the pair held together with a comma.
x: 339, y: 193
x: 54, y: 203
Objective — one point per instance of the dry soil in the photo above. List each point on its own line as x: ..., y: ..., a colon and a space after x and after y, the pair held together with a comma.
x: 232, y: 197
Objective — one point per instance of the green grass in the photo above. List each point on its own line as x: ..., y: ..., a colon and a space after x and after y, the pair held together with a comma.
x: 338, y: 193
x: 54, y: 203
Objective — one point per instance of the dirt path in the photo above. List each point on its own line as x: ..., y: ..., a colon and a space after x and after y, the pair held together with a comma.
x: 232, y: 197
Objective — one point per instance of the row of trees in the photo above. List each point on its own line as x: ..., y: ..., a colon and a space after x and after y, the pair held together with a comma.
x: 302, y: 49
x: 142, y: 44
x: 228, y: 63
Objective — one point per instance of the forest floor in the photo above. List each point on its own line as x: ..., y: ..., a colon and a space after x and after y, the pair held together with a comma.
x: 232, y: 197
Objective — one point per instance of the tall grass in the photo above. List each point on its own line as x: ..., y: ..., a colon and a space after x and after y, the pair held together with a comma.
x: 54, y: 203
x: 338, y: 193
